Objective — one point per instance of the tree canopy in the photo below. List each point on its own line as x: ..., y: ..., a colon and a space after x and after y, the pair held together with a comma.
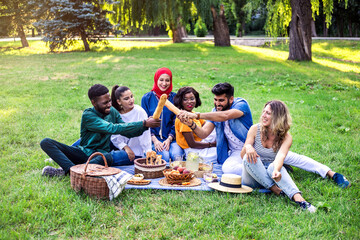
x: 70, y: 19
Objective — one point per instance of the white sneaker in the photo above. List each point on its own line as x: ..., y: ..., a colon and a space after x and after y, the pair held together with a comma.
x: 306, y: 206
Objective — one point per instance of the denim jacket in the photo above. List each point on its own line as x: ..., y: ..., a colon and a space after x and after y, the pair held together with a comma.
x: 149, y: 103
x: 239, y: 126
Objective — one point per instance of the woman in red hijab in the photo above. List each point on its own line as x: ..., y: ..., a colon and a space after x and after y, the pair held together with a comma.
x: 163, y: 137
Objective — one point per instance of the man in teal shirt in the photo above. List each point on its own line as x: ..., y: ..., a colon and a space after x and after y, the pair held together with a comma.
x: 97, y: 125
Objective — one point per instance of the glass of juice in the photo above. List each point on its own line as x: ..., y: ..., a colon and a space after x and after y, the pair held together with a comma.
x: 192, y: 161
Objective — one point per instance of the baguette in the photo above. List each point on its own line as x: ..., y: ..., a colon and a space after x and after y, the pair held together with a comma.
x: 172, y: 107
x: 160, y: 106
x: 152, y: 158
x: 158, y: 160
x: 148, y: 158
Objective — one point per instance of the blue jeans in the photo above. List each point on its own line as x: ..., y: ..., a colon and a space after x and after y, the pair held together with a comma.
x: 121, y: 158
x: 174, y: 151
x: 68, y: 156
x: 257, y: 175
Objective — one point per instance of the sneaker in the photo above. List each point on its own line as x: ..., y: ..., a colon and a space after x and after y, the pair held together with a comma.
x: 49, y: 160
x: 282, y: 194
x: 341, y: 180
x: 52, y: 172
x: 306, y: 206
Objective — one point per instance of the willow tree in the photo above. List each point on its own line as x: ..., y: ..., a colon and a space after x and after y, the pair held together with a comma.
x: 297, y: 15
x: 134, y: 14
x: 213, y: 10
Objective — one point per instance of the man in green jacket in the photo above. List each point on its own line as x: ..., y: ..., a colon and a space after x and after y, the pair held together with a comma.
x: 97, y: 125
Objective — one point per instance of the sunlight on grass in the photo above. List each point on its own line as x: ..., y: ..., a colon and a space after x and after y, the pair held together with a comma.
x: 350, y: 82
x: 350, y: 52
x: 202, y: 48
x: 6, y: 113
x: 263, y: 52
x: 104, y: 59
x: 130, y: 45
x: 343, y: 67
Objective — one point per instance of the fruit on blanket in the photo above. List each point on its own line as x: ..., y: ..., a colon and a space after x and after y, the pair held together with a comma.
x: 181, y: 169
x: 186, y: 171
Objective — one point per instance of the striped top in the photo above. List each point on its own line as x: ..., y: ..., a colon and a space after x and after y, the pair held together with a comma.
x: 266, y: 154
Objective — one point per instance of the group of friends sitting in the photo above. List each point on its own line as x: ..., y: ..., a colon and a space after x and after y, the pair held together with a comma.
x: 124, y: 131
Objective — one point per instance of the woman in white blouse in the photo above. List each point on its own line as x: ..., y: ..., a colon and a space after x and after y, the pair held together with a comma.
x: 129, y: 148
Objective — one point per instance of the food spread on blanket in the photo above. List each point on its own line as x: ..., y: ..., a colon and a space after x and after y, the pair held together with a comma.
x: 179, y: 170
x: 153, y: 159
x: 210, y: 177
x: 138, y: 177
x: 139, y: 182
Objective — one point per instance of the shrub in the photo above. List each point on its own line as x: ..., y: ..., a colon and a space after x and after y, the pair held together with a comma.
x: 200, y: 29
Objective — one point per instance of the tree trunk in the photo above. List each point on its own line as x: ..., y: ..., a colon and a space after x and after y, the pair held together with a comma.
x: 340, y: 27
x: 313, y: 28
x: 350, y: 28
x: 243, y: 27
x: 300, y: 30
x: 84, y: 39
x: 239, y: 30
x: 22, y: 36
x: 325, y: 33
x: 183, y: 32
x: 176, y: 34
x: 156, y: 31
x: 221, y: 29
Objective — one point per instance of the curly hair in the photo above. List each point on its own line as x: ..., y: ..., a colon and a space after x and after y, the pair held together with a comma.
x: 280, y: 123
x: 97, y: 90
x: 179, y: 97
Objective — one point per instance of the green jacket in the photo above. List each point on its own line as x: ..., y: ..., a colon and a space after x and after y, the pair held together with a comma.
x: 96, y: 129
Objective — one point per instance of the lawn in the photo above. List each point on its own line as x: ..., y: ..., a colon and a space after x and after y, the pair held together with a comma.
x: 43, y: 95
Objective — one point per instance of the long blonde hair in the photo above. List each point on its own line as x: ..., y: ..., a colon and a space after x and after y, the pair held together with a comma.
x: 280, y: 123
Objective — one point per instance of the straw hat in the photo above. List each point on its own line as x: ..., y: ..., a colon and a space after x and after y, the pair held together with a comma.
x: 230, y: 183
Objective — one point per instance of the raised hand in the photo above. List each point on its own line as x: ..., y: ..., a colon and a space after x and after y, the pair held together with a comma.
x: 152, y: 123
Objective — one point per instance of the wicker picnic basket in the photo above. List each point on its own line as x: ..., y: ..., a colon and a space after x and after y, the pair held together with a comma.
x: 177, y: 178
x: 87, y: 177
x: 149, y: 171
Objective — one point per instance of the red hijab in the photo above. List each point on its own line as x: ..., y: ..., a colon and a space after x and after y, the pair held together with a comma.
x: 155, y: 88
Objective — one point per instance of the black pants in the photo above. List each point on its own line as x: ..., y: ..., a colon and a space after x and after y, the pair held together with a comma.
x: 68, y: 156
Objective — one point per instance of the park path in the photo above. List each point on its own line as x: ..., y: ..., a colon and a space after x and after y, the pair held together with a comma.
x: 247, y: 41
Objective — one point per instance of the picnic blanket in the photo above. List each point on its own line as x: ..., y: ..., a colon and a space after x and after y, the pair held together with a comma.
x: 155, y: 182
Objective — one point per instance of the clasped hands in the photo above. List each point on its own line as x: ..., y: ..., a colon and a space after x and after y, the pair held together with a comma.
x: 186, y: 117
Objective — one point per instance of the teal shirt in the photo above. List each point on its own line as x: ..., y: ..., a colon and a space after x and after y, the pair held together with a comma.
x: 96, y: 129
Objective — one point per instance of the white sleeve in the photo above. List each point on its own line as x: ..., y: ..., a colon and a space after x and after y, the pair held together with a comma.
x: 145, y: 138
x: 119, y: 141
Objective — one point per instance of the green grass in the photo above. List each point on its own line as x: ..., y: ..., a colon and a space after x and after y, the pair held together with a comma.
x: 43, y: 95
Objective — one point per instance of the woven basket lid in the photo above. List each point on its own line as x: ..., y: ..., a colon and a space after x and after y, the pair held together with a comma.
x: 95, y: 170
